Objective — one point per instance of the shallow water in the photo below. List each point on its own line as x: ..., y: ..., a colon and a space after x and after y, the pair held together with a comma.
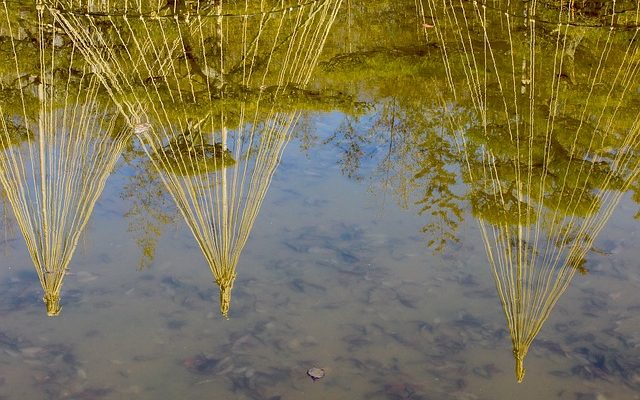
x: 337, y: 273
x: 329, y: 278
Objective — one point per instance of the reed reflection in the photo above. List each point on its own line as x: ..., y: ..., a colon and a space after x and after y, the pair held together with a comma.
x: 213, y: 94
x: 59, y: 141
x: 550, y: 140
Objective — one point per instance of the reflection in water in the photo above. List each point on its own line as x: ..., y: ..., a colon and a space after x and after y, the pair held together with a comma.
x: 356, y: 291
x: 213, y: 95
x: 547, y: 118
x: 58, y: 142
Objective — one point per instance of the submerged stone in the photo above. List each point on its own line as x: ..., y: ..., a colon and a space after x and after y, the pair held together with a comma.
x: 315, y: 373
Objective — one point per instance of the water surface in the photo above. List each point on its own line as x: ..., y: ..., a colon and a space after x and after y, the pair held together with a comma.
x: 366, y: 257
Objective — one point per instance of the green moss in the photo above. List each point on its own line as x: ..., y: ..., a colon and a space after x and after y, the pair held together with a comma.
x: 193, y: 157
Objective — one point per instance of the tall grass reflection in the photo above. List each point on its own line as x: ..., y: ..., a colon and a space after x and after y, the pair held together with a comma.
x: 59, y: 141
x: 213, y: 94
x: 550, y: 139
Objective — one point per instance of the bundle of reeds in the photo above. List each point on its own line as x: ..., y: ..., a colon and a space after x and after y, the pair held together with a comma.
x: 544, y: 110
x: 211, y: 89
x: 59, y: 141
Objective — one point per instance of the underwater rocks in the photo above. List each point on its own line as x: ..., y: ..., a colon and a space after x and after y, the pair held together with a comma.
x: 20, y: 291
x: 53, y: 369
x: 299, y: 285
x: 600, y: 362
x: 487, y: 371
x: 241, y: 377
x: 551, y: 347
x: 205, y: 365
x: 187, y: 295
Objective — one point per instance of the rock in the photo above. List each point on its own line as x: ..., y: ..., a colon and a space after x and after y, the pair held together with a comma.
x: 315, y: 373
x: 141, y: 128
x: 201, y: 364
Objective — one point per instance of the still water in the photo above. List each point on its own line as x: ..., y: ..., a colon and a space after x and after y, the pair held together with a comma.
x: 423, y: 199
